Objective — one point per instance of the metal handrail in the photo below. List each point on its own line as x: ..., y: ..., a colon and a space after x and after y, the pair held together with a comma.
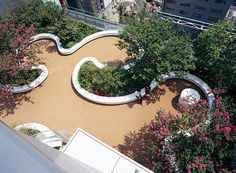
x: 105, y: 24
x: 80, y: 10
x: 192, y: 23
x: 95, y: 21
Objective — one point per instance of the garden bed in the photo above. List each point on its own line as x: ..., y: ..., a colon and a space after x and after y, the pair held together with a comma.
x: 19, y: 78
x: 103, y: 98
x: 29, y: 132
x: 37, y: 76
x: 110, y: 81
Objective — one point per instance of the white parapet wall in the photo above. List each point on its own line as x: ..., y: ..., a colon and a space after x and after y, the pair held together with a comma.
x: 63, y: 51
x: 132, y: 97
x: 24, y: 88
x: 33, y: 84
x: 71, y: 50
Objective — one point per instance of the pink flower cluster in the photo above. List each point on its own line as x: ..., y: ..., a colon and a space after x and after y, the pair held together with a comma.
x: 207, y: 137
x: 223, y: 120
x: 200, y: 164
x: 22, y: 35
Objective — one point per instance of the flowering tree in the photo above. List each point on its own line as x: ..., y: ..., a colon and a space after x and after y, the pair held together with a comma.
x: 15, y: 56
x: 209, y: 148
x: 16, y: 60
x: 157, y: 47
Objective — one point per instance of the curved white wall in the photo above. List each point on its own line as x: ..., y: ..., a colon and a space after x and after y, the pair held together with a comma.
x: 131, y: 97
x: 71, y: 50
x: 63, y: 51
x: 34, y: 84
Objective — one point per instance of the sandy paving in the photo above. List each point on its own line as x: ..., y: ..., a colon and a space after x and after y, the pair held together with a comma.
x: 56, y: 105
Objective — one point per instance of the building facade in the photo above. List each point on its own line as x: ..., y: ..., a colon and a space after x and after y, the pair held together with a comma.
x: 204, y: 10
x: 231, y: 14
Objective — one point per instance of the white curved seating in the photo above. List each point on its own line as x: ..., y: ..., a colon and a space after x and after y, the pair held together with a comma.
x: 33, y: 84
x: 131, y: 97
x: 71, y: 50
x: 50, y: 138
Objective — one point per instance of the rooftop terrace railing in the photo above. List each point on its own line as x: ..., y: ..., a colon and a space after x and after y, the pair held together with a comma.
x: 99, y: 23
x: 192, y: 23
x: 103, y: 24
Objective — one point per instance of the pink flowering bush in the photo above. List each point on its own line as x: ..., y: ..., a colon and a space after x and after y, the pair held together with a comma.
x: 209, y: 148
x: 15, y: 56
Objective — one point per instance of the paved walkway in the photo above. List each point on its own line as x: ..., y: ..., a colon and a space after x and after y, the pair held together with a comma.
x: 56, y: 105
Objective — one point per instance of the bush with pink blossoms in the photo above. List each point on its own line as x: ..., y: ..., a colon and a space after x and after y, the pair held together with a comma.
x: 16, y: 59
x: 209, y: 148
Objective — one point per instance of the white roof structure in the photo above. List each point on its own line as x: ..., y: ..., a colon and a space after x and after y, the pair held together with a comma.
x: 83, y: 154
x: 91, y: 151
x: 23, y: 154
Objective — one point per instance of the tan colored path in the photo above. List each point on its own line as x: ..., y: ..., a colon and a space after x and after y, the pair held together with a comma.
x: 57, y: 106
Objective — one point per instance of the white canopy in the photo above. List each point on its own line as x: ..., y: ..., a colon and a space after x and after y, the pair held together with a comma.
x: 88, y: 149
x: 22, y: 154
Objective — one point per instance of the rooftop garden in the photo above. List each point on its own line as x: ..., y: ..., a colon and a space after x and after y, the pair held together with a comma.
x: 157, y: 47
x: 23, y: 22
x: 207, y: 147
x: 154, y: 47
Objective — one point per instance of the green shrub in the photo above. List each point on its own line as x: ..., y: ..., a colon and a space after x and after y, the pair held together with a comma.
x: 29, y: 132
x: 21, y: 77
x: 52, y: 19
x: 108, y: 81
x: 71, y: 31
x: 215, y: 50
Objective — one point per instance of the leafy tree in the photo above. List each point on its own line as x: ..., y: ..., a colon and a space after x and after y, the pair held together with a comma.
x: 157, y: 47
x: 16, y: 59
x: 216, y: 55
x: 44, y: 16
x: 107, y: 81
x: 52, y: 19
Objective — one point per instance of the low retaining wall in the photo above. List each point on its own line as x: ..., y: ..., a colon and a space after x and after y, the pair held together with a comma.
x: 131, y: 97
x: 63, y: 51
x: 34, y: 84
x: 71, y: 50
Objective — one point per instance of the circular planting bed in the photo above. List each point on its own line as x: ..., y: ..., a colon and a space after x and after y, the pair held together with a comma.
x: 41, y: 73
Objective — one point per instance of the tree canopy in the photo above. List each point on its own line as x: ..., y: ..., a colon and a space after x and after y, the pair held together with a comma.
x: 216, y: 55
x: 157, y: 47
